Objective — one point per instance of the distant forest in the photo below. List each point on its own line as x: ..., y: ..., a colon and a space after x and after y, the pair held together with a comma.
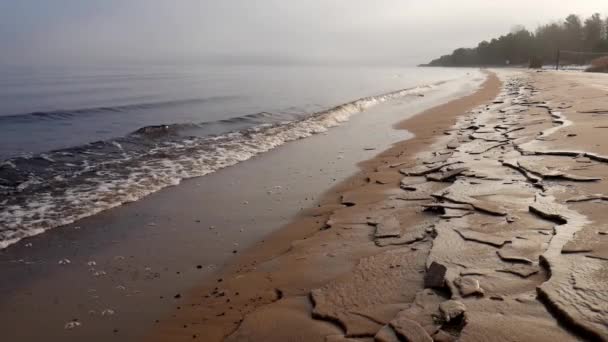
x: 521, y: 47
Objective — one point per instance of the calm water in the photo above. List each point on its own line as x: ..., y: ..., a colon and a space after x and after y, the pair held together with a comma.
x: 74, y: 141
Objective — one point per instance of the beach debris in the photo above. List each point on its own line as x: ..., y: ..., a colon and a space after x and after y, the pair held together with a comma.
x: 435, y: 276
x: 107, y: 312
x: 452, y: 311
x: 72, y: 324
x: 91, y: 263
x: 64, y: 261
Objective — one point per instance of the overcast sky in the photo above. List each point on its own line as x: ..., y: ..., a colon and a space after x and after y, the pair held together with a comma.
x: 317, y: 31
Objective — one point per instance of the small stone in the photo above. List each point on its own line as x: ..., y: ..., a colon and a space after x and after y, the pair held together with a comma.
x: 107, y: 312
x: 71, y: 325
x: 435, y: 276
x: 469, y: 286
x: 452, y: 310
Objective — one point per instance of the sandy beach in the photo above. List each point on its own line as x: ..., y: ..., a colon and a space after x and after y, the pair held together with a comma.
x: 303, y: 171
x: 485, y: 226
x: 478, y: 219
x: 122, y: 272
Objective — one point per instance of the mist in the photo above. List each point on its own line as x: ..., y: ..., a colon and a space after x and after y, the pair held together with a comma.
x: 394, y: 32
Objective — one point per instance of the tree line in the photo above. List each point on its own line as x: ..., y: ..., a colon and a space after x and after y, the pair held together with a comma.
x: 521, y: 46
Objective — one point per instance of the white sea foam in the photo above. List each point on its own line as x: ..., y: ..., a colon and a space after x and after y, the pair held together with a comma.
x: 130, y: 178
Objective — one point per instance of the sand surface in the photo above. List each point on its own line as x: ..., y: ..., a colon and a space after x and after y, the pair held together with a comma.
x: 118, y: 273
x: 489, y: 225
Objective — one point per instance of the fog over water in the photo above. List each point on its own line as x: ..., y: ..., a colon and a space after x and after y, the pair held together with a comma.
x: 260, y: 32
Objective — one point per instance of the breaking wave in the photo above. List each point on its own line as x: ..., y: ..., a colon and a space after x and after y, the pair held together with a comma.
x: 43, y: 191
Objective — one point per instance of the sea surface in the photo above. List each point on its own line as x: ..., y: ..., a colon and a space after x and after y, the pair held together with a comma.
x: 76, y: 141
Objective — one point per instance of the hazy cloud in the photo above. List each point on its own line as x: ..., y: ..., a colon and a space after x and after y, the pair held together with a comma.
x: 316, y: 31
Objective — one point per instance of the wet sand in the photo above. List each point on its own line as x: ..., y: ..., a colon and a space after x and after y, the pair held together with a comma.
x: 489, y: 225
x: 124, y: 271
x: 271, y: 282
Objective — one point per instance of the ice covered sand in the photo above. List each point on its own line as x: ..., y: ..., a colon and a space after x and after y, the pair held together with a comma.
x: 494, y: 230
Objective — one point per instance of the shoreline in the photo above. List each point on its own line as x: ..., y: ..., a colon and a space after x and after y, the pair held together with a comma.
x: 219, y: 317
x: 492, y: 226
x: 134, y: 259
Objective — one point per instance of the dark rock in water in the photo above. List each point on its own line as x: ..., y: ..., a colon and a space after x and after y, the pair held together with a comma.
x: 153, y: 131
x: 11, y: 177
x: 452, y: 311
x: 435, y: 276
